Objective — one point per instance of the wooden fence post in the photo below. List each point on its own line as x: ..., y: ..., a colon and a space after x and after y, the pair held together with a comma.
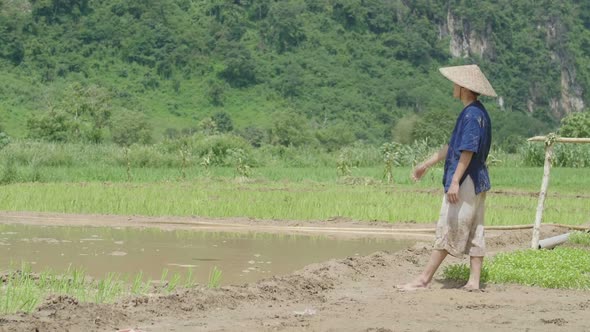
x: 549, y: 142
x: 542, y: 194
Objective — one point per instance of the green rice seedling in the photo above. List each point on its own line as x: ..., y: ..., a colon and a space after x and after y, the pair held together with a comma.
x: 173, y: 282
x: 558, y: 268
x: 108, y: 288
x: 214, y: 278
x: 276, y: 200
x: 18, y: 293
x: 77, y: 277
x: 27, y: 298
x: 164, y: 276
x: 190, y: 283
x: 23, y: 290
x: 137, y: 285
x: 288, y: 195
x: 77, y: 283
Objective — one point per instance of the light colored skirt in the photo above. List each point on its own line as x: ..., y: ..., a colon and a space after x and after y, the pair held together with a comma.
x: 460, y: 227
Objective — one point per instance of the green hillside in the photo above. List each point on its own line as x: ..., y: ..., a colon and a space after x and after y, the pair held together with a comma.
x: 339, y: 70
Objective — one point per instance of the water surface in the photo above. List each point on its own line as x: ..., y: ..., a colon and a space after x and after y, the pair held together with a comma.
x: 242, y: 257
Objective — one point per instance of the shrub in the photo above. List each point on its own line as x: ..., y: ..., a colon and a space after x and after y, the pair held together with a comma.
x: 223, y: 122
x: 130, y: 127
x: 564, y: 155
x: 9, y: 172
x: 218, y: 147
x: 575, y: 125
x: 290, y: 129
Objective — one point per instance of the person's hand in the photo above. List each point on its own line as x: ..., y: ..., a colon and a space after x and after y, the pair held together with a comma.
x: 419, y: 172
x: 453, y: 193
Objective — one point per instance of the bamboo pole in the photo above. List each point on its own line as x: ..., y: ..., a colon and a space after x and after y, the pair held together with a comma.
x: 543, y: 193
x: 549, y: 141
x: 559, y: 139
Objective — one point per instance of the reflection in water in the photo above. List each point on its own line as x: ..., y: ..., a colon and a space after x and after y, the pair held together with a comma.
x: 242, y: 257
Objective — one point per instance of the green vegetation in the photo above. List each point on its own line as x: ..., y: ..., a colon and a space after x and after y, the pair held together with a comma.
x: 29, y: 161
x: 581, y: 238
x: 323, y: 73
x: 575, y: 125
x: 21, y: 290
x: 214, y: 278
x: 300, y: 193
x: 557, y: 268
x: 183, y: 177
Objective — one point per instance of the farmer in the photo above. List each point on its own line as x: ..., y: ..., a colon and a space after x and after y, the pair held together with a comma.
x: 460, y: 227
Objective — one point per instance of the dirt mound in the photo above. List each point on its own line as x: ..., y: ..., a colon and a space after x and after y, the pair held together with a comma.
x: 308, y: 284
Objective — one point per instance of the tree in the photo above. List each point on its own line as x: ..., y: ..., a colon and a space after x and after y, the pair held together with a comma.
x: 576, y: 125
x: 240, y: 67
x: 335, y: 136
x: 215, y: 92
x: 289, y: 129
x: 130, y: 127
x: 254, y: 135
x: 403, y: 129
x: 90, y: 110
x: 436, y: 126
x: 223, y: 122
x: 53, y: 125
x: 57, y: 11
x: 11, y: 43
x: 290, y: 80
x: 208, y: 127
x: 285, y: 26
x: 511, y: 129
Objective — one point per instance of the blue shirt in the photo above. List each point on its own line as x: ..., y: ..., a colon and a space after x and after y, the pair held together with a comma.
x: 473, y: 132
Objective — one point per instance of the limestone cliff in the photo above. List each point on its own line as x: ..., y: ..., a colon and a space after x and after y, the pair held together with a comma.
x: 464, y: 41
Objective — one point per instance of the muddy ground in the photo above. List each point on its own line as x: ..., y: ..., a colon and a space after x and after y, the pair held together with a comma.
x: 352, y: 294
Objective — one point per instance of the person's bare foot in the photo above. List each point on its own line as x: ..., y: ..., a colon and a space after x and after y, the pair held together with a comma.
x: 412, y: 286
x: 471, y: 288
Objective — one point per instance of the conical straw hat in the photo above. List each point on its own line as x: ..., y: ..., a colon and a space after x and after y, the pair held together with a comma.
x: 469, y: 77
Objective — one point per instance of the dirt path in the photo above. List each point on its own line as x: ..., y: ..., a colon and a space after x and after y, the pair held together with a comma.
x: 353, y: 294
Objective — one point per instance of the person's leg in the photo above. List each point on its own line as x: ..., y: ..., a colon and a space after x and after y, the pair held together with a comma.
x: 474, y: 272
x: 477, y: 245
x: 424, y: 279
x: 438, y: 254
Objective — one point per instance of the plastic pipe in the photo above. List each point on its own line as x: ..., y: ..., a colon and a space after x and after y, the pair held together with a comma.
x: 552, y: 242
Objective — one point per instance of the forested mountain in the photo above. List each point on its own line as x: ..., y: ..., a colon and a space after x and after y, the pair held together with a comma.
x: 330, y: 71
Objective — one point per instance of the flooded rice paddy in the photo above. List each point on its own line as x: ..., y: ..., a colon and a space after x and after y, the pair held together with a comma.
x: 242, y: 257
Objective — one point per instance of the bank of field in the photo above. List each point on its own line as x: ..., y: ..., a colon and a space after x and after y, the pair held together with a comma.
x: 294, y: 194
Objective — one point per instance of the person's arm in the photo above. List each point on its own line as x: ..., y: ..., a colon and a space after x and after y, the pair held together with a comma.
x: 464, y: 160
x: 421, y: 169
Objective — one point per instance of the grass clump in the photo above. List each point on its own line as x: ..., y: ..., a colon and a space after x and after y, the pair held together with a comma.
x: 567, y: 268
x: 21, y: 290
x: 214, y: 278
x: 581, y: 238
